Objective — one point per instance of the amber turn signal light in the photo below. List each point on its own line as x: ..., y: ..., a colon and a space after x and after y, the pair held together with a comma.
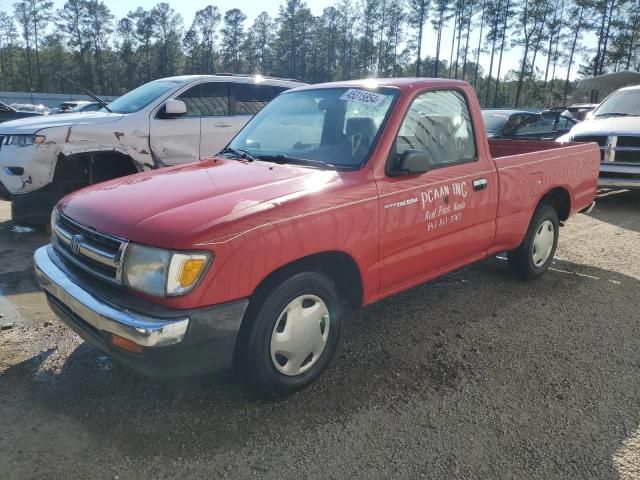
x: 125, y: 344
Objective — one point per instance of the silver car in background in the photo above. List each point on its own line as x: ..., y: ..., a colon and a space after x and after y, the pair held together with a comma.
x: 165, y: 122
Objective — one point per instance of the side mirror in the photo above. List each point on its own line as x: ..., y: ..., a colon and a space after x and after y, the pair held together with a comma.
x: 174, y: 108
x: 412, y: 162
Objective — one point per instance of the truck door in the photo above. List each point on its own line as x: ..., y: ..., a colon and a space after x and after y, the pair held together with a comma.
x: 435, y: 221
x: 176, y: 140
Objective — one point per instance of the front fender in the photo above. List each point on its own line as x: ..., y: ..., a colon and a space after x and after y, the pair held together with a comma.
x: 25, y: 169
x: 82, y: 139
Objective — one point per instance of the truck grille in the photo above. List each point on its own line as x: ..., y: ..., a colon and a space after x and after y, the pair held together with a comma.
x: 615, y: 148
x: 1, y: 141
x: 628, y: 156
x: 633, y: 142
x: 92, y: 251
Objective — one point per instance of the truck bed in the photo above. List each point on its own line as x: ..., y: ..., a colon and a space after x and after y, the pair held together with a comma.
x: 527, y: 169
x: 500, y: 148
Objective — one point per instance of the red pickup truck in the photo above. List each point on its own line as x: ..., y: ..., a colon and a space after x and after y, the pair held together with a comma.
x: 334, y: 196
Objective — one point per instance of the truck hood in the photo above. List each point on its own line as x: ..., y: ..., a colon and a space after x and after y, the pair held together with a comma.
x: 32, y: 125
x: 608, y: 126
x: 160, y: 207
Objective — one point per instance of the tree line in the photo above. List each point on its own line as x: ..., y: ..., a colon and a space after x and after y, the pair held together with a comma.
x: 350, y: 39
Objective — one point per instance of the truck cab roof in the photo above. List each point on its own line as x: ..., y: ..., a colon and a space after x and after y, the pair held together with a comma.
x: 403, y: 83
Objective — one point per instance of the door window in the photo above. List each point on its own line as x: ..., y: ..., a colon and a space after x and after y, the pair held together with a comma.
x: 206, y: 100
x: 565, y: 123
x: 517, y: 122
x: 215, y: 99
x: 541, y: 125
x: 193, y: 101
x: 250, y: 98
x: 439, y: 124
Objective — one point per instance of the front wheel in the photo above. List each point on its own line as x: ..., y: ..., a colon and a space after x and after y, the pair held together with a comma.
x: 535, y: 254
x: 292, y: 333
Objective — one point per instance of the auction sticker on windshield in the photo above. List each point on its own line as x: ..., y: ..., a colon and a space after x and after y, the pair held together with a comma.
x: 363, y: 97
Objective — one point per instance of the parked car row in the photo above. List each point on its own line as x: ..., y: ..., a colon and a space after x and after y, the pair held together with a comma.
x: 182, y: 119
x: 30, y: 107
x: 8, y: 112
x: 523, y: 124
x: 23, y: 110
x: 77, y: 106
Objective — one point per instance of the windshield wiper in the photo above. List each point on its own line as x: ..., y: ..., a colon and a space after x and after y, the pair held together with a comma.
x: 616, y: 114
x: 282, y: 159
x: 237, y: 152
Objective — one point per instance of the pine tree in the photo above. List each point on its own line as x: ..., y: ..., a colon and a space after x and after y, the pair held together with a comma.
x: 232, y: 36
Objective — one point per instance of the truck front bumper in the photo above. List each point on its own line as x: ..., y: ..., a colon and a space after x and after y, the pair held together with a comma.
x: 24, y: 169
x: 174, y: 343
x: 615, y: 175
x: 628, y: 183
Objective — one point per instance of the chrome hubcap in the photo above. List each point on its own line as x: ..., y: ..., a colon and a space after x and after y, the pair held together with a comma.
x: 543, y: 243
x: 300, y: 335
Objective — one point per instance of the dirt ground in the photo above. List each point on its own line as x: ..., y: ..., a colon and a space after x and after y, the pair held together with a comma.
x: 476, y: 375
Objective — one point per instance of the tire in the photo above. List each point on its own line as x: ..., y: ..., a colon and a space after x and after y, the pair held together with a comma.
x: 534, y: 255
x: 33, y: 209
x: 276, y: 360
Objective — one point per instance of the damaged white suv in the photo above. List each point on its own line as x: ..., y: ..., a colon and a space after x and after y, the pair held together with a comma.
x: 164, y: 122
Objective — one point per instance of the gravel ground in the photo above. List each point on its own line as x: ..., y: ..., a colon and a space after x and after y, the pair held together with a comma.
x: 476, y: 375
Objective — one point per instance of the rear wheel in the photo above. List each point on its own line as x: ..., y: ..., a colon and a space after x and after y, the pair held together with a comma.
x: 292, y: 334
x: 534, y: 255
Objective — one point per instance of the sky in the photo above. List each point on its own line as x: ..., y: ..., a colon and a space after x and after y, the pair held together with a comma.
x: 252, y: 9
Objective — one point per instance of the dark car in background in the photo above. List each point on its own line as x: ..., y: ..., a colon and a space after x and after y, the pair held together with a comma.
x: 7, y: 113
x: 524, y: 124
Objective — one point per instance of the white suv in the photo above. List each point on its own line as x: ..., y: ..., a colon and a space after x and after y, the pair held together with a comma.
x: 615, y: 126
x: 164, y: 122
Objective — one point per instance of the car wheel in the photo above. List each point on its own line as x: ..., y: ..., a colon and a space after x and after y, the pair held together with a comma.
x: 534, y: 255
x: 293, y: 332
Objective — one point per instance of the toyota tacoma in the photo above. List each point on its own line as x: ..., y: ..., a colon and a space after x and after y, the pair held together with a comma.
x: 333, y: 197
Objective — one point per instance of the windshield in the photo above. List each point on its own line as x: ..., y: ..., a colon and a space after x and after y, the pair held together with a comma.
x: 493, y: 122
x: 620, y: 103
x: 142, y: 96
x: 335, y: 126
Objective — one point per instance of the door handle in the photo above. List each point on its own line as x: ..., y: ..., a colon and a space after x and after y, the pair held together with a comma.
x: 222, y: 125
x: 479, y: 184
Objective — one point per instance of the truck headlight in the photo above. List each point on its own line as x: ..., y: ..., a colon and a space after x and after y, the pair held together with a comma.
x: 25, y: 140
x: 162, y: 272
